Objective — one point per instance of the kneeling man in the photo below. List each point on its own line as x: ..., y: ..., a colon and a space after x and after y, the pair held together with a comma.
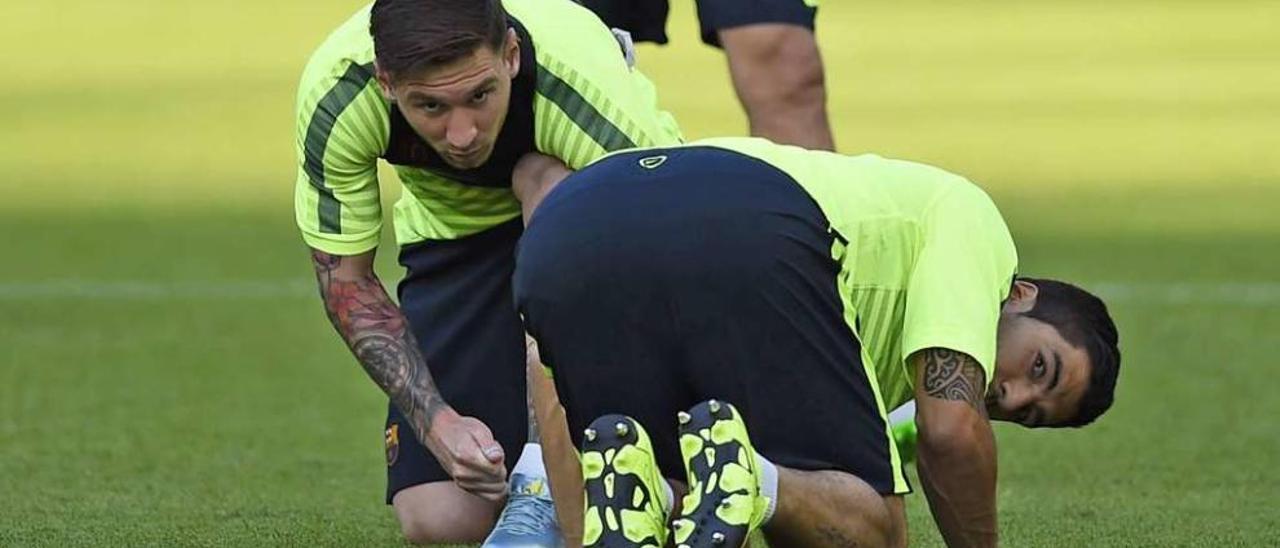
x: 740, y: 315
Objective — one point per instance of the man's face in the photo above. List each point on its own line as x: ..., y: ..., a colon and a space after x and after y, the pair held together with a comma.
x: 1039, y: 377
x: 459, y: 108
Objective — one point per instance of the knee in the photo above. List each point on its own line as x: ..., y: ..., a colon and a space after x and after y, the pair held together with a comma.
x: 419, y: 527
x: 418, y: 531
x: 884, y: 525
x: 426, y: 521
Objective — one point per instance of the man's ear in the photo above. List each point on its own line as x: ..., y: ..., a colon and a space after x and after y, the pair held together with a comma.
x: 1022, y: 297
x: 384, y: 81
x: 511, y: 52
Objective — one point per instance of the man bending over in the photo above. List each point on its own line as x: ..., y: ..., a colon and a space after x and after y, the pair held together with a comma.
x: 740, y: 315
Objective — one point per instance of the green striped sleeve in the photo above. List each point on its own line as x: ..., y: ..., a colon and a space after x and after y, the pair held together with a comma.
x: 342, y: 128
x: 582, y: 116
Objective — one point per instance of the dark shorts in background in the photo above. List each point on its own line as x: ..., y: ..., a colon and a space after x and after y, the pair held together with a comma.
x: 457, y: 297
x: 707, y: 276
x: 646, y: 20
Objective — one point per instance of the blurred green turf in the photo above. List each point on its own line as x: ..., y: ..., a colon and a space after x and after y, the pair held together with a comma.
x: 167, y: 376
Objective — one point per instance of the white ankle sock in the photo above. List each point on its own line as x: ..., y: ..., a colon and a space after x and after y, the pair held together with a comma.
x: 769, y: 474
x: 530, y: 462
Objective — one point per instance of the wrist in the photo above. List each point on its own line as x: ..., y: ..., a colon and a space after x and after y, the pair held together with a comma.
x: 441, y: 418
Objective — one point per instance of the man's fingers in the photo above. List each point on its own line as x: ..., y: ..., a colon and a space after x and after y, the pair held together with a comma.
x: 486, y: 489
x: 476, y: 457
x: 474, y: 483
x: 492, y: 497
x: 472, y: 463
x: 478, y: 462
x: 478, y: 475
x: 490, y: 449
x: 494, y: 453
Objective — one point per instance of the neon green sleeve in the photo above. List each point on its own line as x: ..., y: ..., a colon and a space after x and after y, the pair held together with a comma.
x: 963, y: 272
x: 342, y: 128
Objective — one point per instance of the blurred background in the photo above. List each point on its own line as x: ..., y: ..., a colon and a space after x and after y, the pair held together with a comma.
x: 167, y: 375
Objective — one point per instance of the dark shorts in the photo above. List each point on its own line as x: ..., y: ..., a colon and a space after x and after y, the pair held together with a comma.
x: 708, y: 276
x: 457, y: 297
x: 646, y: 20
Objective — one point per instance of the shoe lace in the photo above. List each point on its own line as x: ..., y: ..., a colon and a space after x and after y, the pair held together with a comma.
x: 528, y: 515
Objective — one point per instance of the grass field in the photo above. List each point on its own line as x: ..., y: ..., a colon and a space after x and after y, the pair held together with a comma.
x: 167, y: 376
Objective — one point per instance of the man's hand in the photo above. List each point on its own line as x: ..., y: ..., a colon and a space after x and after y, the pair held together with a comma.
x: 377, y: 332
x: 956, y: 452
x: 466, y: 450
x: 533, y: 178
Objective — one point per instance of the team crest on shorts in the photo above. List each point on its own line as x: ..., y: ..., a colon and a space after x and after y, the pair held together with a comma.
x: 392, y: 439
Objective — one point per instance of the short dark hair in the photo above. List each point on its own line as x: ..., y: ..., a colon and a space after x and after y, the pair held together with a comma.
x: 1082, y: 319
x: 411, y: 35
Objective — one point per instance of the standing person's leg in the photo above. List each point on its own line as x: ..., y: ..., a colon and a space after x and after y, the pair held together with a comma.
x: 773, y: 57
x: 775, y: 65
x: 456, y: 295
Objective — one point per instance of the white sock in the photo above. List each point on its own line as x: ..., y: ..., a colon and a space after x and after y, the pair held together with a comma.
x: 903, y: 414
x: 671, y: 498
x: 770, y: 484
x: 530, y: 462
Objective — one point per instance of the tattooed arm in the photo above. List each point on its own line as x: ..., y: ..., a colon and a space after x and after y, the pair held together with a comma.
x: 376, y: 331
x: 957, y: 451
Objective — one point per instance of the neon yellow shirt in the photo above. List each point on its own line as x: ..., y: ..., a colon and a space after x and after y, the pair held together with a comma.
x: 577, y: 93
x: 926, y: 259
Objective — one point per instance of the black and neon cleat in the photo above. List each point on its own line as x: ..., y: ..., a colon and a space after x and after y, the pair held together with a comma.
x: 625, y: 499
x: 724, y: 504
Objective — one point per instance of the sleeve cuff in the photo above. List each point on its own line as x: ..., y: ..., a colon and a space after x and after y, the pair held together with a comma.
x: 341, y: 247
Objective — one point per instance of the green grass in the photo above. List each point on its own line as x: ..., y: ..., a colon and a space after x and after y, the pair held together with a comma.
x: 167, y: 377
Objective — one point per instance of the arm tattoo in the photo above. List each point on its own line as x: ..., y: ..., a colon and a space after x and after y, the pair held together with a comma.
x: 954, y: 376
x: 376, y: 331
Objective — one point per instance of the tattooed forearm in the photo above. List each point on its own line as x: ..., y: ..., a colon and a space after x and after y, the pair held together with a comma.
x: 377, y: 333
x: 955, y: 376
